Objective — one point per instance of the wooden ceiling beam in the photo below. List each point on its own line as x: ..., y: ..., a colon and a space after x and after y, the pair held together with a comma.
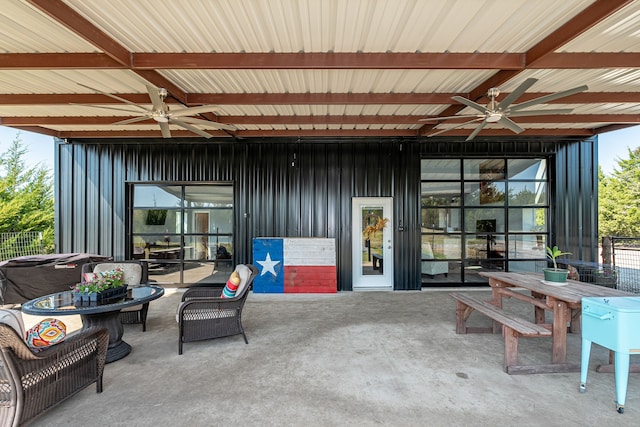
x: 583, y: 21
x: 75, y: 22
x: 274, y: 61
x: 314, y: 120
x: 306, y: 98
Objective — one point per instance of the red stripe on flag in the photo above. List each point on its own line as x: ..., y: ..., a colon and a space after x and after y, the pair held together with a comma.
x: 310, y: 279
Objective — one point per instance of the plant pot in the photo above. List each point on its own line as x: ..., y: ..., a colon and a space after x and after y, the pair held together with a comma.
x: 88, y: 298
x: 558, y: 275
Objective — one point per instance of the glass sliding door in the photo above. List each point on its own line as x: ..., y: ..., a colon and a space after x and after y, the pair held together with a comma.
x: 184, y: 232
x: 481, y: 214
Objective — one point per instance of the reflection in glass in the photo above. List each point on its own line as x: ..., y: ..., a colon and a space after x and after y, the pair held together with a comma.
x: 440, y: 220
x: 527, y: 193
x: 440, y: 194
x: 152, y: 196
x: 440, y: 169
x: 372, y: 240
x: 527, y: 246
x: 208, y: 196
x: 484, y: 193
x: 473, y: 216
x: 528, y: 220
x: 166, y: 221
x: 484, y: 169
x: 529, y: 169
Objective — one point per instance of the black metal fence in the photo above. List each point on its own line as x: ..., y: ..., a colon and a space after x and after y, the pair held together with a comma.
x: 624, y: 257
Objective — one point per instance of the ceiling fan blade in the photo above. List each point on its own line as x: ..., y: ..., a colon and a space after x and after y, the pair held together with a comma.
x: 192, y: 129
x: 548, y: 98
x: 510, y: 124
x: 452, y: 128
x: 477, y: 130
x: 132, y: 120
x: 128, y: 110
x: 540, y: 112
x: 155, y: 97
x: 195, y: 110
x: 206, y: 123
x: 126, y: 101
x: 437, y: 118
x: 164, y: 128
x: 517, y: 93
x: 470, y: 103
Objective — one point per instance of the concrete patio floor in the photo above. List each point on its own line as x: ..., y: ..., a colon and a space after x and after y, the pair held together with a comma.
x: 353, y: 359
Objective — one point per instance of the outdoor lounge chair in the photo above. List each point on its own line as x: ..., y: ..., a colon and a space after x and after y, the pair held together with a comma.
x: 34, y: 382
x: 136, y: 273
x: 203, y: 314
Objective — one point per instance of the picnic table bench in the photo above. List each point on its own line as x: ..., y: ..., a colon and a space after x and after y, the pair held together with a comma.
x: 513, y: 327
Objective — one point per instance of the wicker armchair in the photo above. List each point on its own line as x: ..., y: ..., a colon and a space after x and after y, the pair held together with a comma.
x: 136, y: 273
x: 32, y: 383
x: 204, y: 315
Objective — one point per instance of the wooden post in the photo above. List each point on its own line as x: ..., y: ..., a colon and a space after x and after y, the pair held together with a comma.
x: 606, y: 250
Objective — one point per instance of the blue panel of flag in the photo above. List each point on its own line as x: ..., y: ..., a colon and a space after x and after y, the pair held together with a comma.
x: 268, y: 256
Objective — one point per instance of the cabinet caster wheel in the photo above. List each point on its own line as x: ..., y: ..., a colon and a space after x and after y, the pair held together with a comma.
x: 583, y: 387
x: 620, y: 409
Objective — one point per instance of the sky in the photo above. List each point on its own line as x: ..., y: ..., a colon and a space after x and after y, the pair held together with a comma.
x: 611, y: 146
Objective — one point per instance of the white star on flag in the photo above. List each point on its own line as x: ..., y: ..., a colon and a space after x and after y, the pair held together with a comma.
x: 268, y: 265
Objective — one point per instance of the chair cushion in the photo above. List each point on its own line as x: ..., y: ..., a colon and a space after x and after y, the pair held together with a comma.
x: 132, y: 271
x: 231, y: 287
x: 47, y: 332
x: 245, y: 273
x: 13, y: 318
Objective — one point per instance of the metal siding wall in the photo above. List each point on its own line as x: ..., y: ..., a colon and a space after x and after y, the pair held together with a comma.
x: 311, y: 198
x: 576, y: 213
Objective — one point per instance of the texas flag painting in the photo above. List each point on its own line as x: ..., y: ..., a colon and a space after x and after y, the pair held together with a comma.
x: 294, y: 265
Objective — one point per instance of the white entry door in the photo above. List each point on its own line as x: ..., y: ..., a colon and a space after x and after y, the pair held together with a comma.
x: 372, y: 243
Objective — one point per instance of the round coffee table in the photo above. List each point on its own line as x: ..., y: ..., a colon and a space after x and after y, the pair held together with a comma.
x: 104, y: 313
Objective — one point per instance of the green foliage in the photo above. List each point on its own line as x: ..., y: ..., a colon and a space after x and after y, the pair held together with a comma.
x: 26, y: 195
x: 553, y: 253
x: 619, y: 198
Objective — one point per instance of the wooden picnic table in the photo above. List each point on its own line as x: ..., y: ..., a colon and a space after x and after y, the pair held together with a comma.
x: 565, y: 302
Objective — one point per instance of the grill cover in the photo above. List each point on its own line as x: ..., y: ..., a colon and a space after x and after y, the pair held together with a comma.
x: 30, y: 277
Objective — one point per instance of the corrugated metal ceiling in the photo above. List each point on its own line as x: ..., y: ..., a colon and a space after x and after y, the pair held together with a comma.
x: 299, y: 62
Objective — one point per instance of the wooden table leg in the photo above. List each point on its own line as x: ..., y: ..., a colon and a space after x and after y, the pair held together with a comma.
x: 561, y: 315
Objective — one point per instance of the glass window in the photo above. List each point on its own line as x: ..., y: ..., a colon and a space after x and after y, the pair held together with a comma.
x: 494, y: 217
x: 528, y: 169
x: 172, y: 224
x: 528, y: 220
x: 152, y: 196
x: 484, y: 193
x: 440, y: 169
x: 484, y: 169
x: 527, y: 193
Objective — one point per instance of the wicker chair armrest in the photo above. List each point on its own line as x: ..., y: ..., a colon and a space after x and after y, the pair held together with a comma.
x: 76, y: 340
x: 202, y: 292
x: 213, y: 304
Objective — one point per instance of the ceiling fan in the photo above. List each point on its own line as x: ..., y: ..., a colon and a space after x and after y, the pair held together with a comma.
x: 500, y: 112
x: 161, y: 113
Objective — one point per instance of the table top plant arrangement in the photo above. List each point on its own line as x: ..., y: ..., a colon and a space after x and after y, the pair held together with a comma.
x: 555, y: 274
x: 103, y: 285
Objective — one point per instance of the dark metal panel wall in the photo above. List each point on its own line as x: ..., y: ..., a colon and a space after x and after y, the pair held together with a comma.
x: 288, y: 188
x: 299, y: 188
x: 576, y: 196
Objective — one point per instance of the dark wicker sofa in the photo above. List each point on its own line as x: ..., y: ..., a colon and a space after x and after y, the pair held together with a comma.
x: 32, y: 383
x: 204, y: 315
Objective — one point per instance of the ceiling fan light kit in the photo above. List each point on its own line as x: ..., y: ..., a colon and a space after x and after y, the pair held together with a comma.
x: 499, y: 112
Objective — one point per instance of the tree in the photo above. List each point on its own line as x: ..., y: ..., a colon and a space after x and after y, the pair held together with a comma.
x: 619, y: 198
x: 26, y: 195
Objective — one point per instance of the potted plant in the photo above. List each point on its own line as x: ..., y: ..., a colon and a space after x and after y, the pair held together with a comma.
x: 104, y: 285
x: 555, y: 274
